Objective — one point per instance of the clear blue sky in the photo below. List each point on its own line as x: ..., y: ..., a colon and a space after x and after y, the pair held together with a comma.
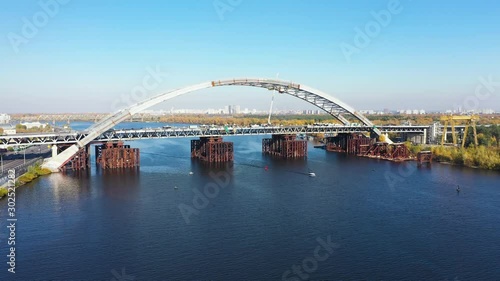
x: 91, y: 52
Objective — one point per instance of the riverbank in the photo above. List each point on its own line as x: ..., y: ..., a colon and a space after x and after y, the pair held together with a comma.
x: 33, y: 173
x: 475, y: 157
x: 481, y: 157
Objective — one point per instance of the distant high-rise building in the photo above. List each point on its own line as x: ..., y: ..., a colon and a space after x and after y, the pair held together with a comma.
x: 237, y: 109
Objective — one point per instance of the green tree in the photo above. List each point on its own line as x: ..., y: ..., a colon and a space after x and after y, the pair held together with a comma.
x: 20, y: 127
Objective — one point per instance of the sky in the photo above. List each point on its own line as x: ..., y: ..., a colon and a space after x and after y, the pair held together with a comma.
x: 66, y: 56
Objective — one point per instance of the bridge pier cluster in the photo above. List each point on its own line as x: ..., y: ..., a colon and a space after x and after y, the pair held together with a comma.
x: 111, y: 155
x: 212, y: 150
x: 116, y: 155
x: 361, y: 145
x: 349, y: 143
x: 80, y: 161
x: 285, y: 146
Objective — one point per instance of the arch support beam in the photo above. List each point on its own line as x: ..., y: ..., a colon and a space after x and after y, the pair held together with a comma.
x: 328, y: 103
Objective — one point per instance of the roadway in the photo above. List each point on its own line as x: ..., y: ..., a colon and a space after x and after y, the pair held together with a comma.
x: 11, y: 160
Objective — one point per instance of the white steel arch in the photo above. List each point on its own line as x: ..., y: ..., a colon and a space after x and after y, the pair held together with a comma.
x: 328, y: 103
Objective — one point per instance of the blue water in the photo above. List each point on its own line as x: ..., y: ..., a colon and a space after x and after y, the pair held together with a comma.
x: 388, y: 221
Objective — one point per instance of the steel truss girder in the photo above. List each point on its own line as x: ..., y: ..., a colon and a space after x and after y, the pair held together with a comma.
x: 326, y: 105
x: 123, y: 135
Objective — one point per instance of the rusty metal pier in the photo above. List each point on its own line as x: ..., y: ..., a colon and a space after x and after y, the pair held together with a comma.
x: 349, y: 143
x: 212, y: 150
x: 361, y: 145
x: 116, y: 155
x: 394, y: 152
x: 79, y: 161
x: 285, y: 146
x: 424, y: 157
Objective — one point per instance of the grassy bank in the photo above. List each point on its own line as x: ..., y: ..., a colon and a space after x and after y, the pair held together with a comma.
x: 33, y: 173
x: 484, y: 157
x: 477, y: 157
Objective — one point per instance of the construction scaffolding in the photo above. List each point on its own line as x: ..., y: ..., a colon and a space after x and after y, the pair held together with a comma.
x: 361, y: 145
x: 116, y: 155
x: 452, y: 121
x: 393, y: 152
x: 424, y: 157
x: 349, y: 143
x: 80, y: 161
x: 212, y: 149
x: 285, y: 146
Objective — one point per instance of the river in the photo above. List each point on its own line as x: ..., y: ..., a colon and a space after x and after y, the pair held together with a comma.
x: 256, y: 219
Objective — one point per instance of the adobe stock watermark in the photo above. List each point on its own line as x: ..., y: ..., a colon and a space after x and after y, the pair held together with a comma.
x: 485, y: 89
x: 364, y: 36
x: 30, y: 28
x: 151, y: 81
x: 121, y: 276
x: 11, y: 221
x: 311, y: 264
x: 201, y: 198
x: 224, y: 6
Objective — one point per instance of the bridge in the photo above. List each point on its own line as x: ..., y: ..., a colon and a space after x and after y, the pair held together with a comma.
x: 187, y: 132
x: 324, y: 101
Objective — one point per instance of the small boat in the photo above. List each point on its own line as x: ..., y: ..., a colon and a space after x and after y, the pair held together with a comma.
x: 191, y: 173
x: 175, y: 187
x: 311, y: 174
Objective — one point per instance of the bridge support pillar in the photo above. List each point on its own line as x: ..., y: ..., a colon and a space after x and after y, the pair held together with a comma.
x: 54, y: 150
x: 349, y: 143
x: 79, y: 161
x: 424, y: 157
x: 212, y: 149
x: 285, y: 146
x: 116, y: 155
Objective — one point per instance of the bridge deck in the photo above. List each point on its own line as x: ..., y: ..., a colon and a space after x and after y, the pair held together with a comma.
x: 125, y: 135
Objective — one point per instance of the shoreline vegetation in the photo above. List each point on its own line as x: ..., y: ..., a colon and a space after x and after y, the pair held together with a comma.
x: 481, y: 157
x: 484, y: 156
x: 279, y: 118
x: 305, y: 119
x: 33, y: 173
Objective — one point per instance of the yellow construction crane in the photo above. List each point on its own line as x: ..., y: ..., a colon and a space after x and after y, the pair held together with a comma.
x: 451, y: 120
